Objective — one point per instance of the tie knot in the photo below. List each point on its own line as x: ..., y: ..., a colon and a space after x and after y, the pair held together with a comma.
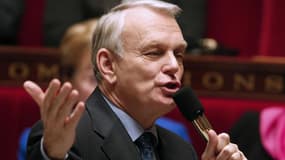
x: 146, y: 139
x: 146, y: 143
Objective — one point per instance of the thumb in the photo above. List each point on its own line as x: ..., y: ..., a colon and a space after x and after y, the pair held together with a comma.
x: 211, y: 148
x: 34, y: 91
x: 223, y: 140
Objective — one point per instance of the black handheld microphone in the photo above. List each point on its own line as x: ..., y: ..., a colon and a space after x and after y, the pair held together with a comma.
x: 192, y: 109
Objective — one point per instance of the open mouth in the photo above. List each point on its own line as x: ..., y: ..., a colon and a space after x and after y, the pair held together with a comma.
x: 172, y: 85
x: 170, y: 88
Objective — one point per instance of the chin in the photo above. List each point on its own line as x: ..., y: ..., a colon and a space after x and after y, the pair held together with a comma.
x: 168, y: 103
x: 163, y: 101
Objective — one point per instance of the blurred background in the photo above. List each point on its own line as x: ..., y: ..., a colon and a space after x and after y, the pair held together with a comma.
x: 235, y: 56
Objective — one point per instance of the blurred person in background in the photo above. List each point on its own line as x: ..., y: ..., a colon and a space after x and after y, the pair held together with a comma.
x: 261, y: 135
x: 76, y: 66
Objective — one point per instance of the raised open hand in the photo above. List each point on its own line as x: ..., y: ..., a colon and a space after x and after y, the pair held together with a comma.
x: 60, y: 114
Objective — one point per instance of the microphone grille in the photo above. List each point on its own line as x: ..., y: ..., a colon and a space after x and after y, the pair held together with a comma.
x: 188, y: 103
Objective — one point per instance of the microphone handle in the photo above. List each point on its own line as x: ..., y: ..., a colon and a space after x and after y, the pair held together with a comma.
x: 202, y: 125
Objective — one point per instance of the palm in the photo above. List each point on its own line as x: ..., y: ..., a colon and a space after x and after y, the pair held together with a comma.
x: 60, y: 113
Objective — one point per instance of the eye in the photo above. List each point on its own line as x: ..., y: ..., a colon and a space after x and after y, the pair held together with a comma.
x: 179, y: 56
x: 155, y: 53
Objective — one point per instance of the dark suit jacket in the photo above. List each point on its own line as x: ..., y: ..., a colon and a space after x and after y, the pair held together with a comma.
x: 245, y: 133
x: 101, y: 136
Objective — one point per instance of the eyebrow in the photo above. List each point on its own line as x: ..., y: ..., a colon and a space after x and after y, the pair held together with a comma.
x: 156, y: 44
x: 183, y: 45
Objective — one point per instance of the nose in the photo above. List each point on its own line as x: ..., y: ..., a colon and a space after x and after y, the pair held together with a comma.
x: 171, y: 65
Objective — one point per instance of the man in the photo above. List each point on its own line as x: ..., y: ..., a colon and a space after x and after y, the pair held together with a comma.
x: 137, y: 55
x: 77, y: 68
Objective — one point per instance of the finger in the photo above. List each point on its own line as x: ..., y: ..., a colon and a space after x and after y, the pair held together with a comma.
x: 210, y: 150
x: 223, y: 140
x: 238, y: 156
x: 34, y: 91
x: 60, y: 99
x: 229, y: 151
x: 72, y: 120
x: 50, y: 93
x: 242, y: 155
x: 67, y: 107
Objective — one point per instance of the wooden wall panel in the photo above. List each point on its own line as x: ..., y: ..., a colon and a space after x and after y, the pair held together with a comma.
x: 214, y: 76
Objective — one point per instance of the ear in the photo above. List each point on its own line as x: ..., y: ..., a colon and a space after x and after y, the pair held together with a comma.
x: 106, y: 65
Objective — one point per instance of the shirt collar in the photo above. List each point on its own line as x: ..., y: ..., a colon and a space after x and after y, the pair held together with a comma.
x: 134, y: 129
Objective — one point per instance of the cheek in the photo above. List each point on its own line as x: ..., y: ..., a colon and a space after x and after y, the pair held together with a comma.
x: 181, y: 72
x: 150, y: 71
x: 138, y: 81
x: 139, y: 77
x: 137, y: 72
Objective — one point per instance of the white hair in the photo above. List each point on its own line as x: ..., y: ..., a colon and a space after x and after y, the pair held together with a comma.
x: 110, y: 26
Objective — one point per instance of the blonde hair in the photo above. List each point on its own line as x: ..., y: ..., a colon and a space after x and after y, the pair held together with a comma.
x: 110, y: 26
x: 75, y: 42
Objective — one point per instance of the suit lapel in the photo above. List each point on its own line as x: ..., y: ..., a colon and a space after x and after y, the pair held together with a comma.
x: 172, y: 147
x: 165, y: 150
x: 117, y: 143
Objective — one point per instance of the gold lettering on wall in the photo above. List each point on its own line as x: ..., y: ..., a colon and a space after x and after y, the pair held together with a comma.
x: 47, y: 72
x: 213, y: 80
x: 242, y: 82
x: 18, y: 71
x: 273, y: 84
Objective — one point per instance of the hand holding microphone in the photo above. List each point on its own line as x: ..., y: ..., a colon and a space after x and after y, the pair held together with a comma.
x: 192, y: 109
x: 218, y: 146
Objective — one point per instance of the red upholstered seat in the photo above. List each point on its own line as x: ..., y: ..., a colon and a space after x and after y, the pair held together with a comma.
x: 18, y: 111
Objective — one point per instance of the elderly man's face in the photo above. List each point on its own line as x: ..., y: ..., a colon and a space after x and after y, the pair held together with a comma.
x: 151, y: 67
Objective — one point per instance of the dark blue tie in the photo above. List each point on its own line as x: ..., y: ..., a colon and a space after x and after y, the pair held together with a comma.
x: 146, y: 143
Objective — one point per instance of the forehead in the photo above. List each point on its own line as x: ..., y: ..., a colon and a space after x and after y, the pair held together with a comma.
x: 143, y: 25
x: 141, y: 16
